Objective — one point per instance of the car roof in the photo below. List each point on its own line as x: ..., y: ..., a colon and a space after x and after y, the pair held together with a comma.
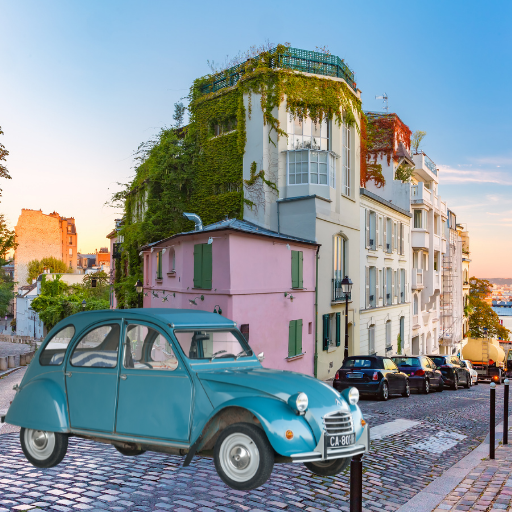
x: 367, y: 357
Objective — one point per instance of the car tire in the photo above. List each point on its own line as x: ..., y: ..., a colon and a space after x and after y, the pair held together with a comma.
x: 468, y: 381
x: 243, y: 456
x: 407, y: 390
x: 455, y: 384
x: 384, y: 392
x: 129, y: 452
x: 329, y: 467
x: 43, y: 449
x: 426, y: 387
x: 440, y: 388
x: 476, y: 382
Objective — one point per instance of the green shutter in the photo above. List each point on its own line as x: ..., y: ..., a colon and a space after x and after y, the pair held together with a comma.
x: 207, y: 267
x: 338, y: 329
x: 198, y: 265
x: 295, y: 269
x: 292, y: 333
x: 159, y: 265
x: 298, y: 337
x: 326, y: 329
x: 300, y: 270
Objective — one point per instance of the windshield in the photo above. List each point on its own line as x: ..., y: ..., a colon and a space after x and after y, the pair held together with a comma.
x: 359, y: 363
x: 468, y: 364
x: 439, y: 361
x: 406, y: 361
x: 210, y: 344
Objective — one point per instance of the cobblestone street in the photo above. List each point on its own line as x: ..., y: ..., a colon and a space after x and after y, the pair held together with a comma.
x: 414, y: 441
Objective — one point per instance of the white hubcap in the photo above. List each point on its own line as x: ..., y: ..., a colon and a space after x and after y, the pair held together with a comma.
x: 239, y: 457
x: 40, y: 444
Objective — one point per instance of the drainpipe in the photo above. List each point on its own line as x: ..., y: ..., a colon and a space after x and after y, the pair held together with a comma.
x: 315, y: 370
x: 278, y: 226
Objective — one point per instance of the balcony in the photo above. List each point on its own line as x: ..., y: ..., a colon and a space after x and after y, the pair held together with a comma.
x: 425, y: 167
x: 437, y: 281
x: 417, y: 279
x: 421, y: 194
x: 337, y: 292
x: 420, y: 239
x: 416, y: 322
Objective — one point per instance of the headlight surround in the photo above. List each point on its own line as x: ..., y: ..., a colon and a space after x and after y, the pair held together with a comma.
x: 353, y: 396
x: 299, y: 402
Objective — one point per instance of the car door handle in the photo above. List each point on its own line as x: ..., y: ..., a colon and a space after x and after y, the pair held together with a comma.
x: 123, y: 377
x: 67, y: 374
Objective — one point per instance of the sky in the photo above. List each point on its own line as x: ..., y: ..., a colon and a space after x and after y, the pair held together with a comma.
x: 82, y: 84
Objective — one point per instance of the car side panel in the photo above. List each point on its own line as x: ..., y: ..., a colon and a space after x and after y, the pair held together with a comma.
x: 41, y: 404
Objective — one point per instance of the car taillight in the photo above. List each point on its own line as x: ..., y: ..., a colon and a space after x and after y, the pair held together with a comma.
x: 444, y: 366
x: 420, y: 372
x: 375, y: 376
x: 337, y: 376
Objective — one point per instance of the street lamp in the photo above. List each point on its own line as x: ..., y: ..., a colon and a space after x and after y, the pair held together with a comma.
x: 346, y: 287
x: 83, y: 305
x: 139, y: 287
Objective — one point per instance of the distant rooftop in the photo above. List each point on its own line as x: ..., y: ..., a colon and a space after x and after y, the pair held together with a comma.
x: 304, y: 61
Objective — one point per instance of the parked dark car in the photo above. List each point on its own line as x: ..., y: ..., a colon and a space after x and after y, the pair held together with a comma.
x: 454, y: 374
x: 372, y: 375
x: 423, y: 373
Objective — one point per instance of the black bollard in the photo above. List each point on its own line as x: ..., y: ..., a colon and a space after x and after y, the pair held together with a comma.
x: 505, y: 413
x: 493, y: 421
x: 356, y: 483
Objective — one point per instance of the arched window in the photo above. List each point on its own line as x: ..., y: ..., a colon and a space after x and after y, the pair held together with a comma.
x: 340, y: 252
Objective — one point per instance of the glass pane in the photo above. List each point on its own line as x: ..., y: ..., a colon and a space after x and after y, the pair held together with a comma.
x: 322, y: 169
x: 317, y: 129
x: 291, y: 157
x: 205, y: 344
x: 304, y: 172
x: 147, y: 349
x: 324, y: 144
x: 98, y: 348
x: 306, y: 128
x: 54, y: 352
x: 323, y: 157
x: 297, y: 126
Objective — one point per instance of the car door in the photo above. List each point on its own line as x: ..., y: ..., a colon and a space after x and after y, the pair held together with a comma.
x: 92, y: 377
x: 155, y: 388
x: 393, y: 376
x: 437, y: 378
x: 461, y: 372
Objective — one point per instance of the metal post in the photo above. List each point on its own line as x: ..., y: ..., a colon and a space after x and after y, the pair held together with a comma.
x: 346, y: 326
x: 356, y: 483
x: 505, y: 413
x: 493, y: 421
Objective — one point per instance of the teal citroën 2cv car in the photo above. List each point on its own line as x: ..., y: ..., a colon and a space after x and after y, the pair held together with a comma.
x: 181, y: 382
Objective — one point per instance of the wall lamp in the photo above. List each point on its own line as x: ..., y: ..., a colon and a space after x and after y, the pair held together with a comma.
x: 215, y: 310
x: 289, y: 296
x: 193, y: 301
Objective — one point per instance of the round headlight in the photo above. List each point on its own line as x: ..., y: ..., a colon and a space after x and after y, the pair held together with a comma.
x: 302, y: 402
x: 353, y: 396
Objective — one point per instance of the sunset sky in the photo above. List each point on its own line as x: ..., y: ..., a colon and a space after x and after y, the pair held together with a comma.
x: 83, y: 83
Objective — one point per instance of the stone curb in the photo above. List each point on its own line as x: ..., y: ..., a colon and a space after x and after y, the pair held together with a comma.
x: 428, y: 499
x: 9, y: 371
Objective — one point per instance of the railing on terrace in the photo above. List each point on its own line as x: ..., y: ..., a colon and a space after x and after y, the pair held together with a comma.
x: 293, y: 58
x: 428, y: 162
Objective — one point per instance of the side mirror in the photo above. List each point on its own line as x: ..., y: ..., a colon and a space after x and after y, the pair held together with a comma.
x: 261, y: 357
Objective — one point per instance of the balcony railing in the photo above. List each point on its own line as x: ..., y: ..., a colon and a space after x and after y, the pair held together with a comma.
x: 429, y: 163
x: 337, y: 291
x: 293, y: 58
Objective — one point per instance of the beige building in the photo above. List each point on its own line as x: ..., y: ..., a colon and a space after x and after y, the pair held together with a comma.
x: 40, y: 235
x: 464, y: 237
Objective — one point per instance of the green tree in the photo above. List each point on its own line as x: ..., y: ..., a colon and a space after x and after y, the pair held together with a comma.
x: 3, y: 155
x: 416, y: 139
x: 7, y: 241
x: 36, y: 267
x: 483, y: 321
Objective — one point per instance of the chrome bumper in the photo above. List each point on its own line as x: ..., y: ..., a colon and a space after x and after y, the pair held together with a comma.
x: 321, y: 452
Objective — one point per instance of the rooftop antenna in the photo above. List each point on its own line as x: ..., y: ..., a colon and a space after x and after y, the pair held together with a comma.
x: 385, y: 98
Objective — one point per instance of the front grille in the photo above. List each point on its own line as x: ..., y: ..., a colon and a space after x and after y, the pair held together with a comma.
x: 338, y: 423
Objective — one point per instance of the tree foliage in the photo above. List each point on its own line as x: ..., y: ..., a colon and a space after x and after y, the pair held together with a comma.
x: 4, y: 173
x: 483, y: 321
x: 54, y: 265
x: 7, y: 241
x: 417, y: 137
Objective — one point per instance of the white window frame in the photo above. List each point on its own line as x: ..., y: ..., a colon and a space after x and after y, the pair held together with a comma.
x: 346, y: 143
x: 331, y: 167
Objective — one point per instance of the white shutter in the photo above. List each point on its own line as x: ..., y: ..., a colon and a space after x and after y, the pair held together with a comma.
x: 398, y: 288
x: 393, y: 277
x: 367, y: 288
x: 377, y: 218
x: 367, y: 215
x: 384, y: 283
x: 401, y: 238
x: 377, y: 290
x: 393, y: 237
x: 385, y: 241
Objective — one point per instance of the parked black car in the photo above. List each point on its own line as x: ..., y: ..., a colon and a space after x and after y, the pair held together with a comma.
x: 423, y: 373
x: 372, y: 375
x: 454, y: 374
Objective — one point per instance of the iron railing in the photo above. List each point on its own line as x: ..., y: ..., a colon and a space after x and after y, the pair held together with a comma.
x: 293, y: 58
x: 431, y: 166
x: 337, y: 292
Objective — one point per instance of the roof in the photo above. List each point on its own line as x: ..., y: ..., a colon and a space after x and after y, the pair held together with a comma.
x: 384, y: 202
x: 242, y: 226
x: 502, y: 311
x: 401, y: 152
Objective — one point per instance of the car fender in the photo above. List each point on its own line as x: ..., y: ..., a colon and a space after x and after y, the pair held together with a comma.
x: 41, y: 405
x: 274, y: 416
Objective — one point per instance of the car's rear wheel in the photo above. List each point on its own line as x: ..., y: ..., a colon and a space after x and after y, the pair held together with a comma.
x: 440, y: 388
x: 243, y: 457
x: 328, y: 467
x: 426, y: 387
x: 384, y: 392
x: 455, y: 384
x: 407, y: 391
x: 129, y: 452
x: 469, y: 382
x: 43, y: 449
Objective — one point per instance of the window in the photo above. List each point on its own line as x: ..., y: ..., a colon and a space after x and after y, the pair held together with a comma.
x: 70, y: 240
x: 389, y: 345
x: 360, y: 363
x: 418, y: 219
x: 389, y: 235
x: 203, y: 266
x: 415, y: 305
x: 226, y: 126
x: 244, y: 329
x: 326, y: 334
x: 98, y: 348
x: 295, y: 338
x: 147, y: 268
x: 372, y: 230
x: 371, y: 339
x: 213, y: 345
x: 55, y: 350
x: 345, y: 173
x: 309, y: 166
x: 340, y: 257
x: 159, y: 265
x: 306, y: 134
x: 148, y: 349
x: 402, y: 285
x: 70, y: 251
x: 297, y: 258
x: 371, y: 287
x: 172, y: 260
x: 389, y: 365
x: 389, y: 286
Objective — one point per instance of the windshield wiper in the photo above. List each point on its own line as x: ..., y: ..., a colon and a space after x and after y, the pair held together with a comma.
x: 216, y: 354
x: 240, y: 354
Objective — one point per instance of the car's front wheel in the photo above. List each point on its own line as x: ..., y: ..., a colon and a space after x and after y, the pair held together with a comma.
x: 243, y: 456
x: 43, y: 449
x: 328, y: 467
x: 426, y: 387
x: 384, y: 392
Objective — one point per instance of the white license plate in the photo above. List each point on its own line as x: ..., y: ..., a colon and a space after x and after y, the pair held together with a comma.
x: 340, y: 440
x: 355, y: 375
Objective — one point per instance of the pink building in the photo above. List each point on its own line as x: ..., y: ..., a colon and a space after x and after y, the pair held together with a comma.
x: 263, y: 280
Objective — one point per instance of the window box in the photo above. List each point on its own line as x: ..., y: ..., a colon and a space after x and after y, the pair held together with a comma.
x: 172, y: 273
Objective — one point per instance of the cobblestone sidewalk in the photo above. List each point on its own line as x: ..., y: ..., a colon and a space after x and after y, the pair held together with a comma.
x: 488, y: 487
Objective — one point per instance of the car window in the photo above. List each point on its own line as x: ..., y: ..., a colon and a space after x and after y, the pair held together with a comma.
x: 455, y: 360
x: 98, y: 348
x: 55, y: 350
x: 212, y: 344
x: 406, y: 361
x: 438, y: 361
x: 389, y: 365
x: 146, y: 348
x: 469, y: 365
x: 359, y: 363
x: 430, y: 363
